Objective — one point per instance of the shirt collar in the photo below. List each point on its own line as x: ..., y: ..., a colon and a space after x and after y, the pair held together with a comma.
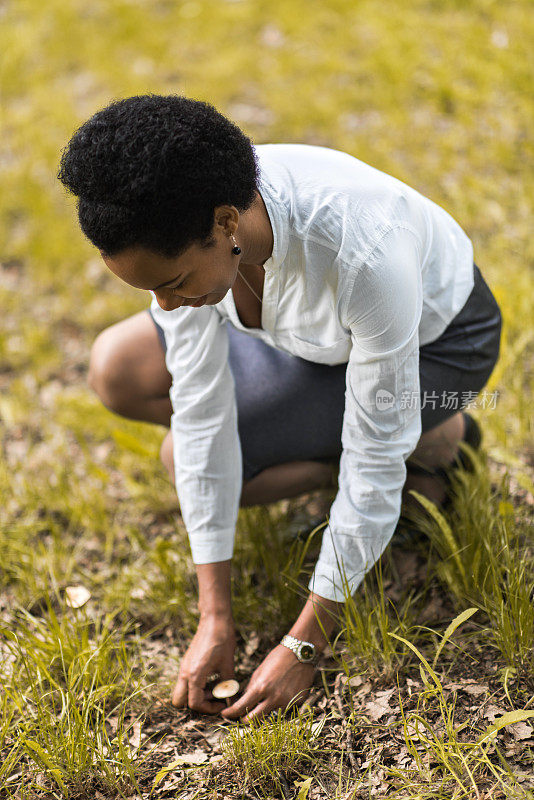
x: 278, y: 211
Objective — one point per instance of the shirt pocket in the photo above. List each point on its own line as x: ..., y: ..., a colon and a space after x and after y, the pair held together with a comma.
x: 337, y: 352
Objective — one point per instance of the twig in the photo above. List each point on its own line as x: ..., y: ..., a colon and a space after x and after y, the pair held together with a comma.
x: 345, y: 723
x: 313, y: 698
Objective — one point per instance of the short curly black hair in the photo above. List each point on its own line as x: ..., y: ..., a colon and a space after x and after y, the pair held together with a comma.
x: 150, y: 170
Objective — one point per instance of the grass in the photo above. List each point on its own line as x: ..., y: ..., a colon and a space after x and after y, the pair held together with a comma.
x: 275, y: 751
x: 368, y: 622
x: 68, y: 683
x: 442, y: 757
x: 272, y: 565
x: 84, y: 705
x: 450, y: 764
x: 485, y: 557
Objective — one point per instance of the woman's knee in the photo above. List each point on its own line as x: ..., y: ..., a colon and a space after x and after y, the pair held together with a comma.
x: 107, y: 375
x: 127, y: 370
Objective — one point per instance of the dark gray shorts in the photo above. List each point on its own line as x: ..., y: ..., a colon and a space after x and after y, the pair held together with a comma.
x: 290, y: 409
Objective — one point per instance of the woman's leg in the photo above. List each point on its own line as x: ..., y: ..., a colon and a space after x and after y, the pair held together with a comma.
x: 279, y: 482
x: 436, y: 448
x: 456, y: 365
x: 290, y: 420
x: 283, y: 481
x: 127, y: 371
x: 290, y: 417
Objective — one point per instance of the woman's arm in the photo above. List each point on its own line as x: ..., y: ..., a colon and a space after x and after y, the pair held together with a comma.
x: 213, y: 646
x: 317, y: 621
x: 206, y: 448
x: 208, y: 477
x: 214, y: 596
x: 379, y: 431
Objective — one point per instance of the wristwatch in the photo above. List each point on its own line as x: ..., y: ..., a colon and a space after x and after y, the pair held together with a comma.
x: 306, y: 652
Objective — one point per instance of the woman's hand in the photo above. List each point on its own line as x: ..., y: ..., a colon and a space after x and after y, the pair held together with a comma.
x: 281, y: 677
x: 211, y: 650
x: 275, y: 683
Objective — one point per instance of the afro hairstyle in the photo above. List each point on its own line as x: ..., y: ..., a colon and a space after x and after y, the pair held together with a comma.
x: 150, y: 170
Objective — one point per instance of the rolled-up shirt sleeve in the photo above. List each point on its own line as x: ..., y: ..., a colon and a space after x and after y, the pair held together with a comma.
x: 206, y: 447
x: 380, y: 429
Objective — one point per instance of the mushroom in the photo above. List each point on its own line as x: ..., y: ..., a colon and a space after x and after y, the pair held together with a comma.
x: 225, y: 689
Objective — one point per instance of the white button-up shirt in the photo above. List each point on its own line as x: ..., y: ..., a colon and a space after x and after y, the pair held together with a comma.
x: 364, y: 270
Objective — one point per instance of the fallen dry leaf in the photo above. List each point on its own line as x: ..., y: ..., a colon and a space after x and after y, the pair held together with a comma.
x: 196, y: 757
x: 492, y: 712
x: 469, y: 687
x: 77, y: 596
x: 187, y: 759
x: 113, y: 722
x: 379, y: 706
x: 514, y: 749
x: 190, y: 725
x: 476, y: 689
x: 364, y: 689
x: 213, y: 735
x: 521, y: 730
x: 171, y: 783
x: 356, y: 680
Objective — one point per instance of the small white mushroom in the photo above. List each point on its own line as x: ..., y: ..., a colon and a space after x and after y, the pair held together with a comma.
x: 225, y: 689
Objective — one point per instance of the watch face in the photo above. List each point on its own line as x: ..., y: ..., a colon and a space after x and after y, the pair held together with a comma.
x: 306, y: 652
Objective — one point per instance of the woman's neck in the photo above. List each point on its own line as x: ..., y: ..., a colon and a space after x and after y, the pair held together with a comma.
x: 255, y: 234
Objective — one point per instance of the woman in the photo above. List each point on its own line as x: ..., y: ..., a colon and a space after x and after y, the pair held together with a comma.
x: 310, y: 307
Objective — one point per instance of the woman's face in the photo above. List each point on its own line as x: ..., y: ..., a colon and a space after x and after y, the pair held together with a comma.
x: 195, y: 278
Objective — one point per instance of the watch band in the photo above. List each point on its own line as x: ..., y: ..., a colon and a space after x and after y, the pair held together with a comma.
x: 306, y: 652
